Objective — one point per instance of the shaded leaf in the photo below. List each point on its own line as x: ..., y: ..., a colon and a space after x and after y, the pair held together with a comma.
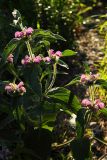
x: 32, y: 76
x: 39, y: 141
x: 63, y: 64
x: 74, y: 81
x: 81, y: 121
x: 74, y: 103
x: 59, y: 93
x: 81, y: 148
x: 10, y: 47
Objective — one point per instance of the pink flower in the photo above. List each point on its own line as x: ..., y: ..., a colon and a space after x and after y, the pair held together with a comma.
x: 20, y: 88
x: 20, y: 84
x: 19, y: 34
x: 14, y: 88
x: 28, y: 31
x: 8, y: 88
x: 11, y: 87
x: 37, y: 59
x: 83, y: 78
x: 51, y: 52
x: 26, y: 60
x: 46, y: 59
x: 55, y: 55
x: 99, y: 104
x: 86, y: 102
x: 10, y: 58
x: 58, y: 53
x: 94, y: 77
x: 88, y: 78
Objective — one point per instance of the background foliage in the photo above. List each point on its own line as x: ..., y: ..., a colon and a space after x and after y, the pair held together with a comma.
x: 60, y: 16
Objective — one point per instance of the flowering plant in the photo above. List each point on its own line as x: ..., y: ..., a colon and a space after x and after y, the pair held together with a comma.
x: 28, y: 70
x: 31, y: 100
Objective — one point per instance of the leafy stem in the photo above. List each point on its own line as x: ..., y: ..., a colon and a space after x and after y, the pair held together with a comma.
x: 53, y: 77
x: 27, y: 42
x: 29, y: 48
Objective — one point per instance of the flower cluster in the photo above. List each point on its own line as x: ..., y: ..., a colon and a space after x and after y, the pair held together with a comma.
x: 85, y: 78
x: 54, y: 54
x: 10, y: 58
x: 97, y: 104
x: 24, y: 33
x: 35, y: 59
x: 15, y: 88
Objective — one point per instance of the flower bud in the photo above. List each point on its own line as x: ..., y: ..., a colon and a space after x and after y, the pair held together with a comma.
x: 22, y: 90
x: 58, y: 53
x: 51, y: 52
x: 99, y: 104
x: 37, y: 59
x: 84, y: 78
x: 26, y: 60
x: 46, y: 59
x: 19, y: 34
x: 86, y: 102
x: 29, y: 31
x: 10, y: 58
x: 11, y: 88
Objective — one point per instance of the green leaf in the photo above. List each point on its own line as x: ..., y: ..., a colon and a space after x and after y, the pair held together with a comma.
x: 63, y: 64
x: 10, y: 47
x: 72, y: 82
x: 74, y: 103
x: 102, y: 82
x: 68, y: 53
x: 41, y: 44
x: 50, y: 110
x: 81, y: 121
x: 81, y: 148
x: 59, y: 93
x: 31, y: 75
x: 59, y: 37
x: 49, y: 125
x: 40, y: 33
x: 46, y: 34
x: 103, y: 111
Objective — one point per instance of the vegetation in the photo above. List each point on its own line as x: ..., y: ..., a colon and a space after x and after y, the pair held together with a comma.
x: 41, y: 117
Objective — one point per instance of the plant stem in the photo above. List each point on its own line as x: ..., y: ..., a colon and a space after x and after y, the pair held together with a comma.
x: 62, y: 144
x: 100, y: 141
x: 29, y: 48
x: 53, y: 78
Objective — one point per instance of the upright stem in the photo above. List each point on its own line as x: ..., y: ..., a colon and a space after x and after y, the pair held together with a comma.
x: 29, y: 49
x: 53, y: 78
x: 27, y: 42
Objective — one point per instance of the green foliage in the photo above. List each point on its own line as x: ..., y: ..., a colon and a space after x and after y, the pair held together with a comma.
x: 33, y: 109
x: 59, y: 16
x: 31, y: 100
